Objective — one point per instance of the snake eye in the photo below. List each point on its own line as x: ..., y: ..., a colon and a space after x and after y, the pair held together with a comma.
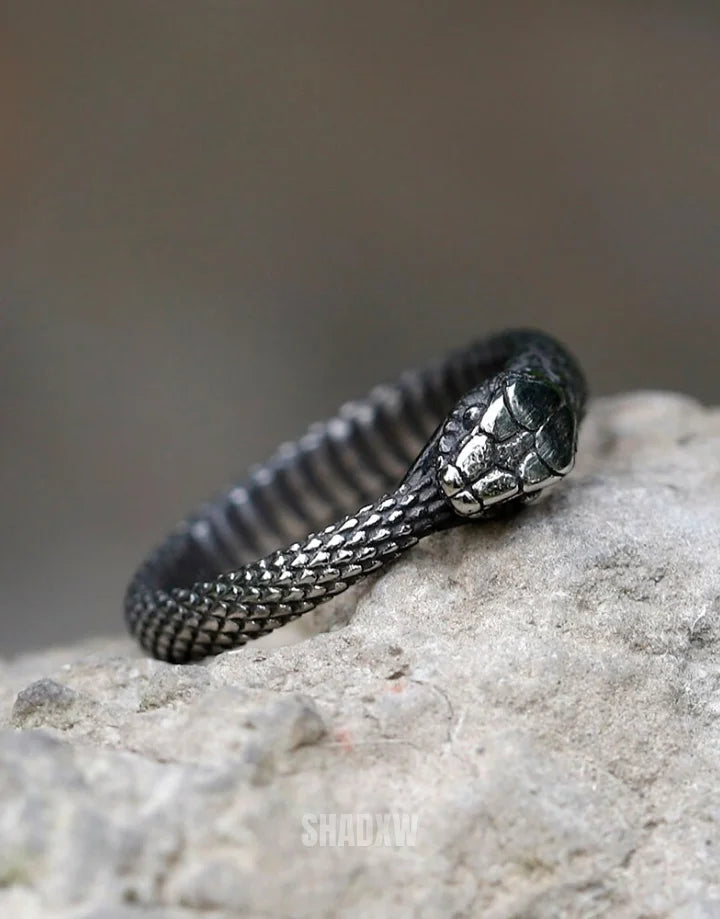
x: 471, y: 417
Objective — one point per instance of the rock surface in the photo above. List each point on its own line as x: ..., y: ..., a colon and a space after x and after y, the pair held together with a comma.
x: 542, y: 695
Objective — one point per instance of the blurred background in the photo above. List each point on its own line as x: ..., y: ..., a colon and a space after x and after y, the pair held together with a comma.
x: 219, y: 219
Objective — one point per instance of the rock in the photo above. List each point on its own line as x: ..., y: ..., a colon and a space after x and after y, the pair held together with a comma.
x: 523, y: 718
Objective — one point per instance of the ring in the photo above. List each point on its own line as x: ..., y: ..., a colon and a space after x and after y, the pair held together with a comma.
x: 476, y: 435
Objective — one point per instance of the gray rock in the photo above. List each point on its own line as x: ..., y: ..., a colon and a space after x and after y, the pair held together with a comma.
x: 541, y: 695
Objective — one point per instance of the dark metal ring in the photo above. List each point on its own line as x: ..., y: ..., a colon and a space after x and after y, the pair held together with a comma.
x: 485, y: 430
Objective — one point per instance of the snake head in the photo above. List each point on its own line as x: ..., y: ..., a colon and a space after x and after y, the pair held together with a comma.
x: 510, y: 446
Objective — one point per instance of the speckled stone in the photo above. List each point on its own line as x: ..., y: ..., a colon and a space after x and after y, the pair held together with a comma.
x: 542, y: 694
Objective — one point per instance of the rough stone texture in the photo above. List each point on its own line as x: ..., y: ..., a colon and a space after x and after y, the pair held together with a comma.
x: 544, y: 694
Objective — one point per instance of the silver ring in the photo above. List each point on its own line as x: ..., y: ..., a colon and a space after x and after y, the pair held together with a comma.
x: 477, y: 435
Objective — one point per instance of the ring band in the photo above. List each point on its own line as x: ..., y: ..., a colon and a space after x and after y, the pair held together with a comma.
x: 484, y: 431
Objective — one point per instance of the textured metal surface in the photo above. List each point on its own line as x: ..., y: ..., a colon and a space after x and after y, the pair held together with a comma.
x: 485, y: 430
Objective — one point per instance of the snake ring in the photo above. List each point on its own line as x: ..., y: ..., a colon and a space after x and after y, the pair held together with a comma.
x: 484, y: 431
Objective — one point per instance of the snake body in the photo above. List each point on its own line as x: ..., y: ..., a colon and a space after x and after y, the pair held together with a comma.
x: 483, y: 431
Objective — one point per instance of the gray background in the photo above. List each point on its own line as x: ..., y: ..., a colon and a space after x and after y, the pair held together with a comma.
x: 219, y: 219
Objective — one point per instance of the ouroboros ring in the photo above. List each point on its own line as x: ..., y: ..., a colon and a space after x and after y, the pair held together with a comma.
x: 482, y: 432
